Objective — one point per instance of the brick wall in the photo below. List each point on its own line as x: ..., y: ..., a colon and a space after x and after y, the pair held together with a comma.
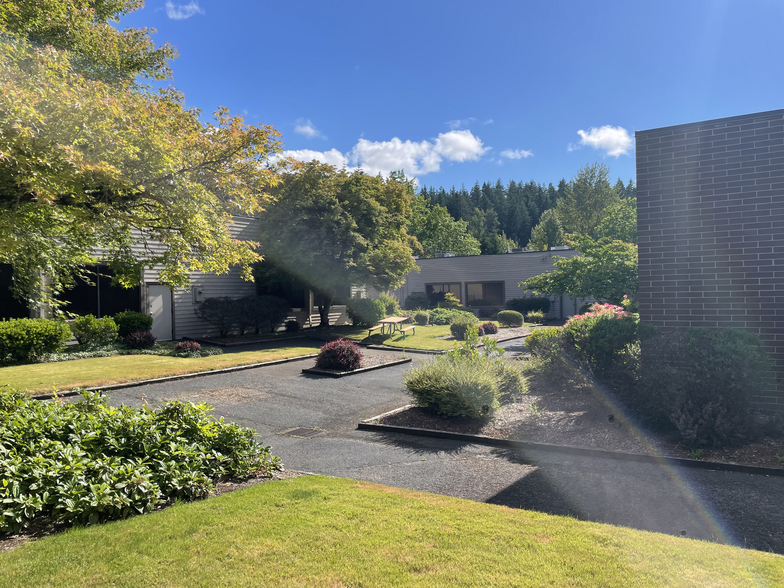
x: 710, y: 198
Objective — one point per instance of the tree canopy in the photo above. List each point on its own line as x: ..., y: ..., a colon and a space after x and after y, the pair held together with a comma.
x: 93, y: 164
x: 606, y: 270
x: 586, y: 200
x: 548, y: 233
x: 331, y: 229
x: 438, y: 232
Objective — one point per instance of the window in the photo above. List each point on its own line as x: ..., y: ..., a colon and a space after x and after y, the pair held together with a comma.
x: 485, y: 293
x: 435, y: 292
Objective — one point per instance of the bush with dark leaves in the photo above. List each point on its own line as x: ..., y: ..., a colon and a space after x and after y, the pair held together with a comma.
x: 341, y: 355
x: 141, y: 340
x: 487, y: 329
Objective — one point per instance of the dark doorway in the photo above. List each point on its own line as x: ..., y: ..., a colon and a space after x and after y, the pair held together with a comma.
x: 10, y: 307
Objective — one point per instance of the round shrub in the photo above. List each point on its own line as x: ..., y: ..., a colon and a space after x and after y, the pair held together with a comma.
x: 187, y: 347
x: 141, y: 340
x: 365, y: 312
x: 487, y: 329
x: 89, y: 330
x: 341, y: 355
x: 459, y: 327
x: 292, y: 326
x: 26, y: 340
x: 536, y: 316
x: 129, y: 321
x: 421, y: 317
x: 416, y: 300
x: 510, y: 318
x: 598, y: 335
x: 391, y: 305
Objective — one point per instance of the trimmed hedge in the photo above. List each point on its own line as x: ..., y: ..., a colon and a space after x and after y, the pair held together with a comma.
x: 460, y: 325
x: 536, y: 316
x: 445, y: 316
x: 510, y: 318
x: 89, y: 330
x: 524, y: 305
x: 421, y: 317
x: 27, y: 340
x: 129, y: 321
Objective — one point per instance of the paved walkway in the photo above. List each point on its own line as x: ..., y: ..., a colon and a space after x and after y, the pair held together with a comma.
x: 723, y: 506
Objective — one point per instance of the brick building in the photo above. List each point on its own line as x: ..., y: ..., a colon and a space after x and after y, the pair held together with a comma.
x: 710, y: 198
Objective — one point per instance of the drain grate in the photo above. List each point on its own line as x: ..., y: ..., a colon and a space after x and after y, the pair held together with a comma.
x: 301, y: 432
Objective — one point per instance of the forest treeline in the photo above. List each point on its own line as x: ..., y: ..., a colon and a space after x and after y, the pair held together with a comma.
x: 502, y: 217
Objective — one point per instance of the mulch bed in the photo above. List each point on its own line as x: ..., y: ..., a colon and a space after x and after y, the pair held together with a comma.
x: 572, y: 412
x: 46, y: 528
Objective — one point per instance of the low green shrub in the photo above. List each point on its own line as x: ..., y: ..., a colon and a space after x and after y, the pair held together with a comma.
x: 510, y: 318
x: 598, y: 335
x: 89, y: 330
x: 165, y: 348
x: 129, y: 321
x: 416, y: 300
x: 140, y: 340
x: 536, y: 317
x: 449, y: 301
x: 585, y: 307
x: 292, y: 326
x: 391, y: 305
x: 459, y: 326
x: 544, y: 343
x: 421, y: 317
x: 27, y: 340
x: 341, y: 355
x: 445, y: 316
x: 525, y: 305
x: 488, y: 312
x: 86, y: 462
x: 365, y: 312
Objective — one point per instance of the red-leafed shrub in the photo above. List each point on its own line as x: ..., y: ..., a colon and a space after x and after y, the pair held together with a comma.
x: 187, y: 347
x: 340, y: 355
x: 140, y: 340
x: 487, y: 329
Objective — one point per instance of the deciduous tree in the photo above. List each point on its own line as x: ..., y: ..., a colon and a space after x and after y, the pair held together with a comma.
x: 548, y: 233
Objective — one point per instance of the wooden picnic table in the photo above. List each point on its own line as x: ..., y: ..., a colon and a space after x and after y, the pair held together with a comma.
x: 393, y: 323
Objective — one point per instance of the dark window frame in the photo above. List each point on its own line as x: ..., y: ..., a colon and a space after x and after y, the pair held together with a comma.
x: 484, y: 291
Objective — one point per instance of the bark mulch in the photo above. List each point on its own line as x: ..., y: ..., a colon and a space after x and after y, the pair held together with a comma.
x: 564, y: 411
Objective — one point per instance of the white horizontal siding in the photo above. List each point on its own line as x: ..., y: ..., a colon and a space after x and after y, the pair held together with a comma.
x: 509, y: 268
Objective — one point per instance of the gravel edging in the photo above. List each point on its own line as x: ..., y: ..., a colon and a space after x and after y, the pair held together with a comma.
x: 368, y: 425
x: 334, y: 374
x: 236, y: 368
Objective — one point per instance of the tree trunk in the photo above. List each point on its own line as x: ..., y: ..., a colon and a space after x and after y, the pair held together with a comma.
x: 324, y: 314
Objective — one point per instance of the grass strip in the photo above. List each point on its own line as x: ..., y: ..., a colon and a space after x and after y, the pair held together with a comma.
x: 318, y: 531
x: 102, y: 371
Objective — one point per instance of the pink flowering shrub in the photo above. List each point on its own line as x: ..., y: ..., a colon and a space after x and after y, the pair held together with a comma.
x: 599, y: 334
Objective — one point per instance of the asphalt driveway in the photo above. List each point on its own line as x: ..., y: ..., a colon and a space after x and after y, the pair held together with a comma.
x: 722, y: 506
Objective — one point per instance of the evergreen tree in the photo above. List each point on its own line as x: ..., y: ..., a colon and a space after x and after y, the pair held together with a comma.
x: 586, y: 199
x: 548, y: 233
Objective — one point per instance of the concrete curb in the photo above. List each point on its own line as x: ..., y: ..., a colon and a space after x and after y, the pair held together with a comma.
x: 366, y: 425
x: 331, y: 374
x: 236, y: 368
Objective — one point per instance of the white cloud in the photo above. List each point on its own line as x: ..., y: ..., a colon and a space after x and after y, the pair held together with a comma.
x: 516, y: 153
x: 307, y: 128
x: 414, y: 158
x: 460, y: 122
x: 183, y: 11
x: 332, y: 157
x: 489, y: 121
x: 614, y: 140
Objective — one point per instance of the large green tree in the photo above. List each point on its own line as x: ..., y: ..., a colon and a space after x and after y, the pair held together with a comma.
x: 438, y: 232
x: 620, y: 221
x: 94, y: 164
x: 606, y: 270
x: 548, y: 233
x: 586, y: 200
x: 332, y: 229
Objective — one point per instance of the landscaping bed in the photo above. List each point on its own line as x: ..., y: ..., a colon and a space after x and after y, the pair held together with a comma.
x: 369, y: 363
x: 572, y: 411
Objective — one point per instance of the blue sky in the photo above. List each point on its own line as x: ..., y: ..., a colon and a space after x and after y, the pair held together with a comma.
x: 454, y: 92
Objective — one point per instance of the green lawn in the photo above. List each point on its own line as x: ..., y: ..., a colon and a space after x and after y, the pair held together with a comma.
x: 425, y: 338
x: 318, y: 531
x: 101, y: 371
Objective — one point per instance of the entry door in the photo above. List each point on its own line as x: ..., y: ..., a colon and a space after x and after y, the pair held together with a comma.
x: 160, y: 298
